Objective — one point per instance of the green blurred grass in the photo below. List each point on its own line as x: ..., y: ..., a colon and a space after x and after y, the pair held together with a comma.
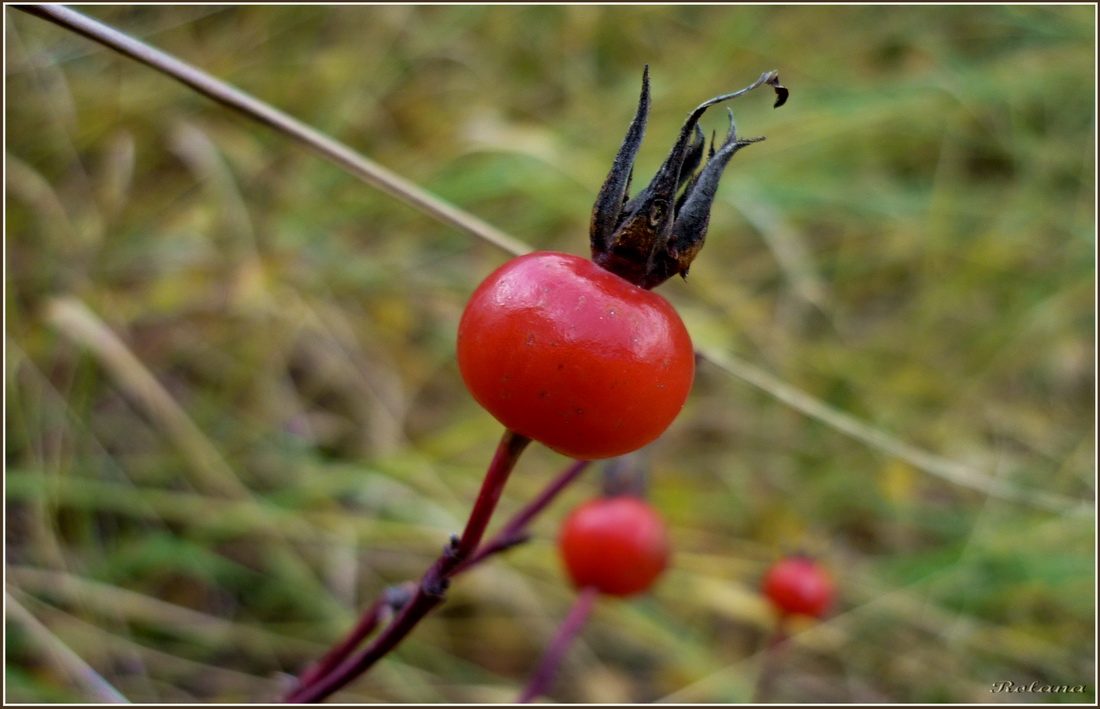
x: 913, y: 245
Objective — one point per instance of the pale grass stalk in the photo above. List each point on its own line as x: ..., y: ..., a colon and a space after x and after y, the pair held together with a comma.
x: 62, y: 124
x: 194, y: 511
x: 69, y: 662
x: 210, y: 473
x: 949, y: 470
x: 90, y: 637
x: 100, y: 599
x: 25, y: 183
x: 198, y: 513
x: 788, y: 247
x: 335, y: 349
x: 335, y: 152
x: 202, y: 156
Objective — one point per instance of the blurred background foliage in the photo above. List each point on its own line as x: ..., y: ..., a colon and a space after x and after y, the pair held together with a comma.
x: 233, y: 410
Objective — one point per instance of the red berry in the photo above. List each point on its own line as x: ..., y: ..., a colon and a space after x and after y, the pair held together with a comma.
x: 797, y: 585
x: 573, y: 356
x: 617, y: 544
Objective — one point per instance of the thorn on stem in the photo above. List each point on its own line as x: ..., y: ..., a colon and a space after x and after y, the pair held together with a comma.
x: 396, y: 597
x: 436, y: 588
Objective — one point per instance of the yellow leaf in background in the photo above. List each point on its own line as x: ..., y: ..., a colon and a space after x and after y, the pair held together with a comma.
x: 605, y: 685
x: 733, y: 601
x: 392, y: 314
x: 249, y: 285
x: 898, y: 481
x: 781, y: 527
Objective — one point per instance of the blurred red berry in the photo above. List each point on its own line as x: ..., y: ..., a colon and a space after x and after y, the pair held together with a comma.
x: 618, y: 545
x: 798, y: 586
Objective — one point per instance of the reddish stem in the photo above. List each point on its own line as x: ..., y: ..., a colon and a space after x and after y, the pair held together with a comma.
x: 433, y: 585
x: 572, y: 625
x: 769, y: 666
x: 509, y: 535
x: 508, y: 451
x: 393, y: 598
x: 513, y: 533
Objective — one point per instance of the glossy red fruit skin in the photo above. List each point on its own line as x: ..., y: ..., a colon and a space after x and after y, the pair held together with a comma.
x: 573, y: 356
x: 798, y: 586
x: 617, y: 544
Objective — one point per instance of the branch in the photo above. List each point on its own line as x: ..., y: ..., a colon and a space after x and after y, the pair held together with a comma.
x: 513, y: 532
x: 572, y: 625
x: 433, y: 585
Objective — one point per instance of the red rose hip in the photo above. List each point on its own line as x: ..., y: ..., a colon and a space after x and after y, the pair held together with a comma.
x: 798, y: 586
x: 564, y: 352
x: 618, y: 545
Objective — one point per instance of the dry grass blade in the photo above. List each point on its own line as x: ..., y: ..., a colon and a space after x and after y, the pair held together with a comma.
x: 791, y: 253
x: 930, y: 463
x: 26, y: 183
x: 82, y: 636
x: 110, y: 600
x: 81, y: 673
x: 211, y: 474
x: 362, y: 167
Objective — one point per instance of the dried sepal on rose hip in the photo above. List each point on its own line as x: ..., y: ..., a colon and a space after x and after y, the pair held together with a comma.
x: 580, y: 355
x: 657, y: 234
x: 798, y: 585
x: 617, y: 545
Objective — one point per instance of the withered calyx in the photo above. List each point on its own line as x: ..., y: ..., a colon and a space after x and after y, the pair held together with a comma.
x: 657, y: 234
